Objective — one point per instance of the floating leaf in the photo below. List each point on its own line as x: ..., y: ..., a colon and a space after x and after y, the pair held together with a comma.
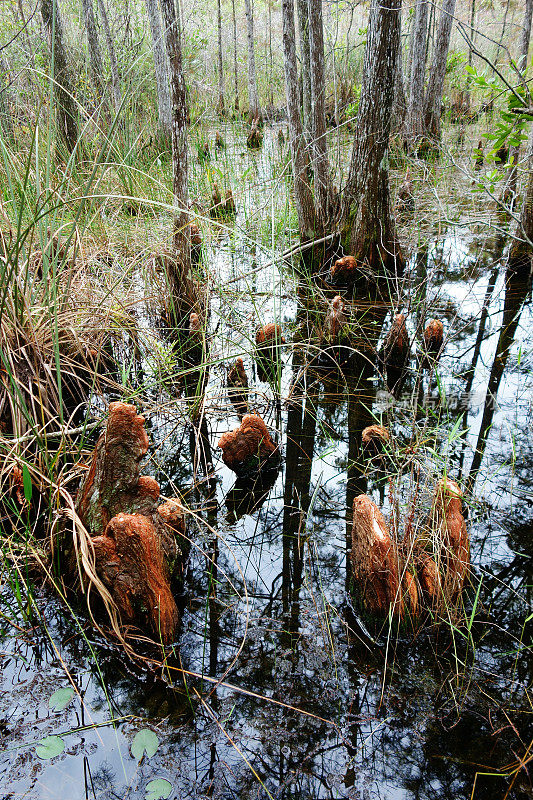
x: 158, y: 789
x: 144, y: 740
x: 61, y: 698
x: 51, y: 746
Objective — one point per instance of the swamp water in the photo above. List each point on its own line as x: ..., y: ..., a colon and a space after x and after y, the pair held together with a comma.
x: 296, y: 701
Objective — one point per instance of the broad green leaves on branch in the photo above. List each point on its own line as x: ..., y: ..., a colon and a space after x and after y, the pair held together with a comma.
x: 509, y: 129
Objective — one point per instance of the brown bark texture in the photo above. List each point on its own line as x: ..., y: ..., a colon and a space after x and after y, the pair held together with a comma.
x: 428, y: 573
x: 437, y: 73
x: 335, y: 320
x: 63, y: 86
x: 368, y: 227
x: 344, y: 270
x: 237, y: 383
x: 235, y: 69
x: 249, y: 448
x: 221, y: 103
x: 395, y: 352
x: 95, y: 55
x: 434, y: 338
x: 268, y: 340
x: 113, y: 63
x: 375, y: 441
x: 254, y: 139
x: 415, y: 109
x: 303, y: 195
x: 450, y: 534
x: 253, y: 98
x: 305, y: 61
x: 130, y: 562
x: 161, y: 66
x: 180, y: 277
x: 375, y: 562
x: 133, y: 534
x: 320, y: 161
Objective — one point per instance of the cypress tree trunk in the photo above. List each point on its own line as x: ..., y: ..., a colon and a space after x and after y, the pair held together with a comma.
x: 253, y: 99
x: 113, y: 63
x: 235, y: 70
x: 415, y: 109
x: 471, y: 34
x: 300, y: 157
x: 270, y: 58
x: 161, y: 65
x: 433, y: 100
x: 399, y: 109
x: 95, y: 56
x: 368, y: 227
x: 323, y: 184
x: 66, y: 111
x: 181, y: 282
x: 221, y: 104
x: 525, y: 36
x: 305, y: 64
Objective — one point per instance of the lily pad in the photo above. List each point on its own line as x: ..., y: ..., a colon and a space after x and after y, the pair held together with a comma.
x: 50, y: 746
x: 158, y: 790
x: 61, y: 698
x: 144, y: 741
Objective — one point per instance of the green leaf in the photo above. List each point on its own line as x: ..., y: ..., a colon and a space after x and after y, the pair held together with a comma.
x: 144, y: 741
x: 51, y: 746
x: 61, y: 698
x: 158, y: 789
x: 26, y: 482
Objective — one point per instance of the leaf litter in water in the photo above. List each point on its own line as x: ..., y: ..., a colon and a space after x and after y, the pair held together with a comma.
x: 159, y: 789
x: 61, y: 698
x: 144, y: 741
x: 50, y: 746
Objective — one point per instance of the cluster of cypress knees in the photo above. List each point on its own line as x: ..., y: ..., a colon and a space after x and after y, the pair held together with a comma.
x: 137, y: 542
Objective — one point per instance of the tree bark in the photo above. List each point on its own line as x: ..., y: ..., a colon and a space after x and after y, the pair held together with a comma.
x: 399, y: 109
x: 471, y: 34
x: 113, y: 63
x: 270, y: 58
x: 181, y: 276
x: 221, y: 104
x: 305, y: 64
x: 161, y: 65
x: 95, y: 56
x: 305, y: 207
x: 435, y: 88
x: 253, y: 99
x: 525, y: 36
x: 323, y: 184
x: 368, y: 229
x: 415, y: 111
x: 235, y: 70
x: 62, y: 85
